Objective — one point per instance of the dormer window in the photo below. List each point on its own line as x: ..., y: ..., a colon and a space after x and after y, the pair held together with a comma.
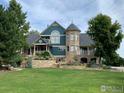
x: 55, y: 37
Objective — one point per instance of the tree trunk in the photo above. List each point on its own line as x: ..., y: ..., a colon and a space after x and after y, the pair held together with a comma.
x: 100, y: 62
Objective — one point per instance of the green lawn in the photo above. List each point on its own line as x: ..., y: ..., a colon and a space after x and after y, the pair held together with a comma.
x: 61, y: 81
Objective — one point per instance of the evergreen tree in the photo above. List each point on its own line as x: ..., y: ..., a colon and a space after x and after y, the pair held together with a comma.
x: 107, y: 37
x: 2, y: 23
x: 13, y: 31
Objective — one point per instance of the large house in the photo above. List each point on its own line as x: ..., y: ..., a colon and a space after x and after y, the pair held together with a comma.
x: 63, y: 43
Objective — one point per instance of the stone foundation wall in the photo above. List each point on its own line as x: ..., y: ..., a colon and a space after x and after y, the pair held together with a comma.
x: 43, y: 63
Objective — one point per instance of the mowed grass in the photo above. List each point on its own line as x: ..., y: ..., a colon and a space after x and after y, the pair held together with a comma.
x: 60, y: 81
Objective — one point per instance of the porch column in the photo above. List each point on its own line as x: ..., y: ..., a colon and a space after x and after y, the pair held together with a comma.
x: 34, y: 51
x: 46, y: 48
x: 97, y: 60
x: 88, y: 60
x: 88, y: 50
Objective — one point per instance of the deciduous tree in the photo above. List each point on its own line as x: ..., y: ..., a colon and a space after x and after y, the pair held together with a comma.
x: 107, y: 36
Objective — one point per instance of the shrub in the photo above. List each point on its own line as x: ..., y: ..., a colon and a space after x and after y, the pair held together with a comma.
x: 16, y: 60
x: 93, y: 64
x: 43, y: 55
x: 121, y: 61
x: 116, y: 61
x: 106, y: 67
x: 1, y: 60
x: 29, y: 62
x: 75, y: 61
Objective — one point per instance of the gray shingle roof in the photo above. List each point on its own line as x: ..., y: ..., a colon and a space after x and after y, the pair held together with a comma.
x: 72, y: 27
x: 85, y: 40
x: 32, y: 38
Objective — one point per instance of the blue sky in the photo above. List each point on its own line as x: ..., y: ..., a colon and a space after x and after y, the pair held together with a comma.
x: 41, y: 13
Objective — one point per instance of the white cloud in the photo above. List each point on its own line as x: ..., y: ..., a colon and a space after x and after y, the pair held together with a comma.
x: 112, y: 8
x: 62, y: 11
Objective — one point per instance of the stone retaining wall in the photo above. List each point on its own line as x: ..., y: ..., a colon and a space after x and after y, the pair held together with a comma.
x: 120, y: 69
x: 43, y: 63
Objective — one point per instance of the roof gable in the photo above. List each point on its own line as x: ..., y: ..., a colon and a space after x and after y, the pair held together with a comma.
x: 42, y: 41
x: 54, y: 26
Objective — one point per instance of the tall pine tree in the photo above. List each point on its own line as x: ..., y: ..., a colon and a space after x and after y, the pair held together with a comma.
x: 13, y: 31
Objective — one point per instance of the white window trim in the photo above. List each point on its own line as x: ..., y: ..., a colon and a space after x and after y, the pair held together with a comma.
x: 71, y: 36
x: 72, y: 48
x: 74, y: 37
x: 55, y: 37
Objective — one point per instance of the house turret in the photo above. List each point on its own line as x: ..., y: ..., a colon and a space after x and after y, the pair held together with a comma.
x: 72, y: 42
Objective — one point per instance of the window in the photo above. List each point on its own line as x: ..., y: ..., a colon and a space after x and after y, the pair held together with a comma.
x: 72, y: 48
x: 84, y: 50
x: 76, y: 48
x: 55, y: 37
x: 71, y: 37
x: 67, y: 37
x: 74, y: 37
x: 61, y: 48
x: 67, y: 48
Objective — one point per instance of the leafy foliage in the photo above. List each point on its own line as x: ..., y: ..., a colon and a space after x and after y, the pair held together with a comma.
x: 75, y: 61
x: 16, y: 60
x: 44, y: 55
x: 116, y: 61
x: 29, y: 62
x: 13, y: 30
x: 107, y: 36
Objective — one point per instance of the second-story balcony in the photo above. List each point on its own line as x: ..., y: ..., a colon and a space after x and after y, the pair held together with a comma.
x: 86, y: 51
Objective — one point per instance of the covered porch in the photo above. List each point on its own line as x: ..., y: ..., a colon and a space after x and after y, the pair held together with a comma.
x: 36, y: 48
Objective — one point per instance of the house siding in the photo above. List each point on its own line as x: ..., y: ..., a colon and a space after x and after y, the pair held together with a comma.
x: 56, y: 51
x: 63, y: 49
x: 51, y: 28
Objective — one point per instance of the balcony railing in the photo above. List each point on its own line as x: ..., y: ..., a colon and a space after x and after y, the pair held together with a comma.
x: 87, y: 52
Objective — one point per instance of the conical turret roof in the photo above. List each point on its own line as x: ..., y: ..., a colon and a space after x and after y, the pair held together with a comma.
x: 72, y: 27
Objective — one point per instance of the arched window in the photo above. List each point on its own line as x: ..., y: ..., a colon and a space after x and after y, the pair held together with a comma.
x: 55, y: 37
